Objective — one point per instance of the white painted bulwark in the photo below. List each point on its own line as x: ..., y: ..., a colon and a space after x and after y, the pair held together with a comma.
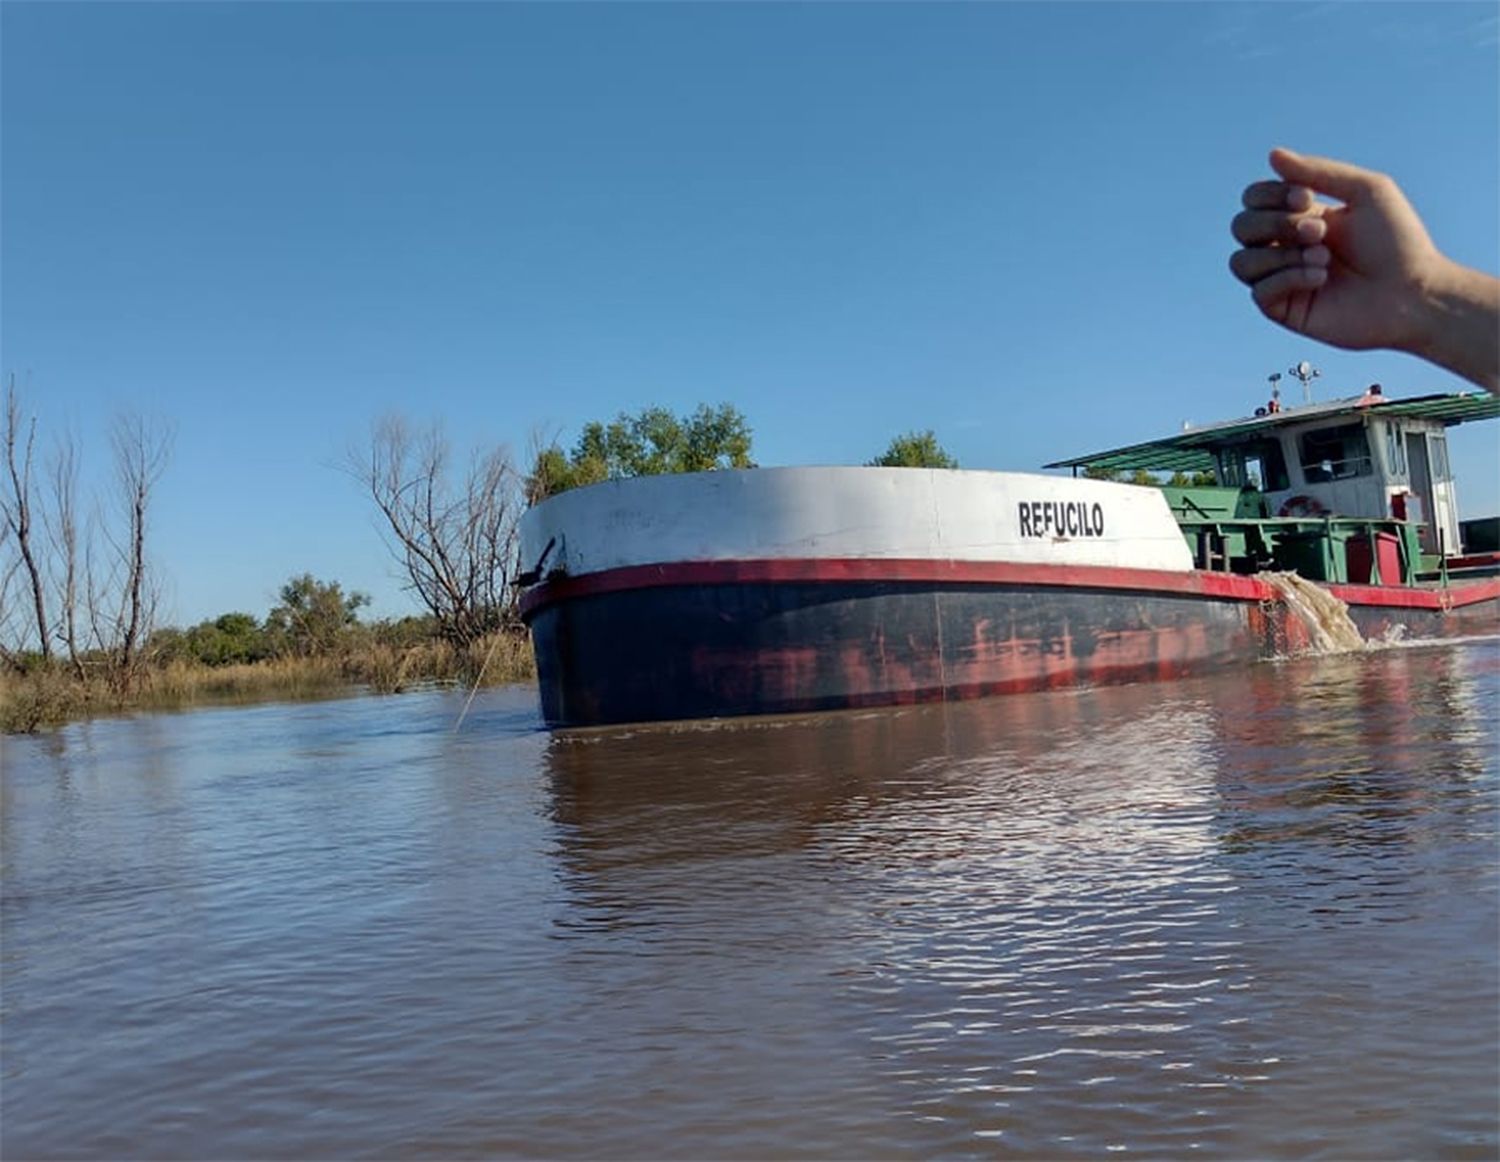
x: 828, y: 513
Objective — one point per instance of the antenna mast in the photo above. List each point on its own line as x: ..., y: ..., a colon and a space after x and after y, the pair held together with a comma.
x: 1306, y: 372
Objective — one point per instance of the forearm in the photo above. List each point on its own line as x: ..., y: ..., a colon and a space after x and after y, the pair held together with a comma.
x: 1460, y: 324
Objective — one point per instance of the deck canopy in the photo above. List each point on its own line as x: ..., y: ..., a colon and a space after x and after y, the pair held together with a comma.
x: 1192, y: 449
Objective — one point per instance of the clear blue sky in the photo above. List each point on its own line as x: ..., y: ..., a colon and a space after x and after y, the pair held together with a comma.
x: 269, y: 224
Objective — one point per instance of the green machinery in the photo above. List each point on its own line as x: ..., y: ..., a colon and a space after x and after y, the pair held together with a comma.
x: 1229, y: 530
x: 1355, y: 490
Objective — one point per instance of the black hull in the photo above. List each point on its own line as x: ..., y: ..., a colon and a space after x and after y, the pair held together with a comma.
x: 724, y: 638
x: 722, y: 650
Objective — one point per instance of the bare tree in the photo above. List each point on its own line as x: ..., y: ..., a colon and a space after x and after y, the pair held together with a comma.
x: 140, y: 450
x: 457, y: 543
x: 95, y: 600
x: 17, y: 512
x: 10, y: 635
x: 61, y: 520
x: 57, y: 587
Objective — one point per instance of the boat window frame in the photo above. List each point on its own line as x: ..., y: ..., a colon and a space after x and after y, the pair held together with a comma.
x: 1351, y: 442
x: 1234, y: 460
x: 1395, y: 451
x: 1437, y: 457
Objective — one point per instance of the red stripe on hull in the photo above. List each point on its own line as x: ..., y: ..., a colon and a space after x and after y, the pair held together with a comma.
x: 1225, y: 586
x: 1455, y: 597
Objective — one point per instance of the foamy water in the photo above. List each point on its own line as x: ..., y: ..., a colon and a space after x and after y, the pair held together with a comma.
x: 1326, y: 618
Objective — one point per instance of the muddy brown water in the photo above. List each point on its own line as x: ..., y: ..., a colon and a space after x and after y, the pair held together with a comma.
x: 1248, y: 916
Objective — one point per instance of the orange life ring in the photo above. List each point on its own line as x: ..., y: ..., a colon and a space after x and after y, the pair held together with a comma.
x: 1303, y: 506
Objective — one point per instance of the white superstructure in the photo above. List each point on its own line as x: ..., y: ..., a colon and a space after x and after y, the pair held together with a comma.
x: 872, y: 513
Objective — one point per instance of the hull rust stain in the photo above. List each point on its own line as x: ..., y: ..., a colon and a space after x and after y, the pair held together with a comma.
x: 712, y: 651
x: 712, y: 639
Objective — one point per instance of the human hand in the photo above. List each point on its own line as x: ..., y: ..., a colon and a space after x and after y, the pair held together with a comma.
x: 1354, y: 275
x: 1362, y: 274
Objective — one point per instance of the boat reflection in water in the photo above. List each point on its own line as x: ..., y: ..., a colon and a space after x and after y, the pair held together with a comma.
x: 1203, y: 915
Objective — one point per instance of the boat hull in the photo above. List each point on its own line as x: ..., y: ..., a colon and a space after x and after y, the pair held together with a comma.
x: 700, y: 640
x: 699, y: 650
x: 775, y: 591
x: 1466, y: 609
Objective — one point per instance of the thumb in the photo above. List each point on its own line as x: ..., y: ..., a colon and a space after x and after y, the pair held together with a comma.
x: 1337, y: 179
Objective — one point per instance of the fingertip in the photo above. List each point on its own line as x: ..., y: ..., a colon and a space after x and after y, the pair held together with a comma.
x: 1299, y: 199
x: 1284, y: 283
x: 1310, y: 231
x: 1324, y: 175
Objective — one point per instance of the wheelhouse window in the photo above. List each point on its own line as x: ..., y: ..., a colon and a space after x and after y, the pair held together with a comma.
x: 1437, y: 444
x: 1395, y: 452
x: 1334, y: 453
x: 1258, y: 464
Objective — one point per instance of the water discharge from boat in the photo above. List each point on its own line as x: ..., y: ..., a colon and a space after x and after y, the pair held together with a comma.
x: 1326, y: 619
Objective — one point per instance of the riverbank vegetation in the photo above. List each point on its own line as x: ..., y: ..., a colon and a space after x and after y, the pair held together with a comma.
x: 234, y: 658
x: 80, y: 594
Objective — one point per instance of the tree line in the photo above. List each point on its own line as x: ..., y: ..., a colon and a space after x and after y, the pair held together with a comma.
x: 76, y: 582
x: 313, y: 618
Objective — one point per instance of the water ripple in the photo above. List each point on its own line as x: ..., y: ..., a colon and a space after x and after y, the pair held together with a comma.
x: 1251, y: 916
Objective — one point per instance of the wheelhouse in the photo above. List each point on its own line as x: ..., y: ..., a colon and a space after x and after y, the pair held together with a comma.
x: 1371, y: 471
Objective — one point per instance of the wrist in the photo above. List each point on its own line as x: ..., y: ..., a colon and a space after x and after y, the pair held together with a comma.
x: 1455, y: 322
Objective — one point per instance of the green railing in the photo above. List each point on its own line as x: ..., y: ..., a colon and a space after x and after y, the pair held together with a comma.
x: 1336, y: 549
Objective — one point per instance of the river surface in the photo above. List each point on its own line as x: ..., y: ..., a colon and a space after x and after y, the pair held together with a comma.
x: 1252, y: 916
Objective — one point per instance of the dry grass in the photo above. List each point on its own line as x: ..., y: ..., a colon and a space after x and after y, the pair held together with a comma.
x: 48, y: 697
x: 501, y: 659
x: 187, y: 683
x: 44, y: 698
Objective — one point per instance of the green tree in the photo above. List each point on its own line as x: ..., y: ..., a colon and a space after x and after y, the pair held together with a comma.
x: 313, y: 617
x: 403, y: 633
x: 1139, y: 476
x: 229, y: 638
x: 649, y: 443
x: 1181, y: 479
x: 914, y: 450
